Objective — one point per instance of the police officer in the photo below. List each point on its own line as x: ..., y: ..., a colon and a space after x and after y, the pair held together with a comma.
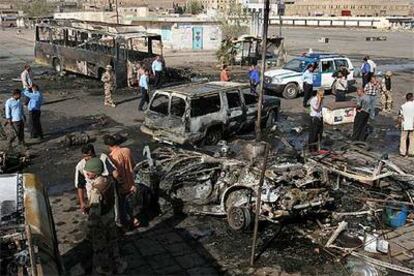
x: 308, y: 84
x: 108, y: 78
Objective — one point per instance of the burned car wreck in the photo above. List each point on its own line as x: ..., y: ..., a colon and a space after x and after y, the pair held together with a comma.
x: 202, y: 113
x: 205, y: 184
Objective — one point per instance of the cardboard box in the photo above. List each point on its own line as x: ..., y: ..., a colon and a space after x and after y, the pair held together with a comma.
x: 337, y: 113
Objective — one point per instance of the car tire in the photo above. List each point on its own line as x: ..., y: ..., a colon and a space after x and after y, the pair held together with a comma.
x: 239, y: 218
x: 271, y: 119
x: 57, y: 65
x: 290, y: 91
x: 213, y: 136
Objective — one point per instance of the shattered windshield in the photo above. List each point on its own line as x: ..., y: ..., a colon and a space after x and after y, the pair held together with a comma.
x: 296, y: 65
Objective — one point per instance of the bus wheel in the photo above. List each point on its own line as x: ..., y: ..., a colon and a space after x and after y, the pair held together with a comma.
x: 57, y: 65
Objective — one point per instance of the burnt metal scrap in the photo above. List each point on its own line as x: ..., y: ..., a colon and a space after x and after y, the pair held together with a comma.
x: 227, y: 186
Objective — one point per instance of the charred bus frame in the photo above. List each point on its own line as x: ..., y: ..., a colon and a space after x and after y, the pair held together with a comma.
x: 88, y: 47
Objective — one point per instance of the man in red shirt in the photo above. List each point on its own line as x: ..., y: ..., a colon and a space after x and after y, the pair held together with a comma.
x: 124, y: 163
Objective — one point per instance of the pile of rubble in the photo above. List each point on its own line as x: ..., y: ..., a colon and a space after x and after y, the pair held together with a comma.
x: 356, y: 198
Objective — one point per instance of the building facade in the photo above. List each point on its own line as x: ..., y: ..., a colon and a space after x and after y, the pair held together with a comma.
x: 369, y: 8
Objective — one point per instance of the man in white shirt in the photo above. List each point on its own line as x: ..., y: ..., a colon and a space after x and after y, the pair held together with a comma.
x: 407, y: 126
x: 26, y: 77
x: 307, y: 84
x: 316, y: 126
x: 82, y: 184
x: 157, y: 67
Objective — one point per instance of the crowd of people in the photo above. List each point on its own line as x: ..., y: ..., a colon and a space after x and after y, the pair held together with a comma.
x: 105, y: 183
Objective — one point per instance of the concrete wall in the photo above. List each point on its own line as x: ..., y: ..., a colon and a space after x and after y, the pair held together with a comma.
x: 109, y: 17
x: 362, y: 22
x: 179, y: 36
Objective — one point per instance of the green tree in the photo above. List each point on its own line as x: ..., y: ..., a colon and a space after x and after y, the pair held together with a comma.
x: 194, y: 7
x: 38, y: 8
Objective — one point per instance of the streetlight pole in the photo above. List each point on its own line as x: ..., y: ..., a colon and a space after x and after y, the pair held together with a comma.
x: 117, y: 14
x: 266, y: 9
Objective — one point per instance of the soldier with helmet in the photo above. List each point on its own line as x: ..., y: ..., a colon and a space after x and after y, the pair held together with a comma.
x: 109, y: 80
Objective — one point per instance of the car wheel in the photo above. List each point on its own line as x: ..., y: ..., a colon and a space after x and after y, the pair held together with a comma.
x: 213, y: 136
x: 271, y: 119
x: 239, y: 218
x: 291, y: 91
x: 57, y: 65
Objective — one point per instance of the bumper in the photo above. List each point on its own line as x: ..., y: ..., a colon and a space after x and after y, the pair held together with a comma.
x: 277, y: 88
x: 163, y: 136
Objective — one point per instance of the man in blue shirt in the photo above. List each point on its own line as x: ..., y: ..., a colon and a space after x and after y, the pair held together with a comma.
x: 157, y: 70
x: 143, y: 86
x: 15, y: 118
x: 254, y: 78
x: 308, y: 84
x: 366, y: 72
x: 35, y: 102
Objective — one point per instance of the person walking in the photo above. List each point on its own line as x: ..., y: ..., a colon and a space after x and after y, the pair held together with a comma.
x: 372, y: 89
x: 139, y: 72
x: 316, y: 123
x: 101, y: 220
x: 15, y: 118
x: 341, y: 87
x: 157, y: 67
x: 254, y: 78
x: 26, y: 77
x: 143, y: 87
x: 225, y: 73
x: 307, y: 84
x: 366, y: 72
x: 407, y: 126
x: 359, y: 132
x: 386, y: 98
x: 124, y: 164
x: 109, y: 80
x: 35, y: 102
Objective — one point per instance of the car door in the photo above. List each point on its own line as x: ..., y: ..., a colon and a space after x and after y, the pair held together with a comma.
x: 326, y: 68
x: 250, y: 102
x: 344, y: 63
x: 236, y: 114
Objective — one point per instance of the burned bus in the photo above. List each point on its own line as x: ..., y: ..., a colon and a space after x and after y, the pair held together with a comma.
x: 88, y: 47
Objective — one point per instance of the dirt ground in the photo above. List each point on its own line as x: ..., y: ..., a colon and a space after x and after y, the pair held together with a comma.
x: 189, y: 245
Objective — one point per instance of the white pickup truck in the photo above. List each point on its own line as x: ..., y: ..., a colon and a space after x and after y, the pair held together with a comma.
x: 288, y: 80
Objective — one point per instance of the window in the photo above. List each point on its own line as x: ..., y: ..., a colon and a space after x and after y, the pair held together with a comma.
x: 296, y: 65
x: 43, y: 34
x: 58, y: 36
x: 177, y: 106
x: 160, y: 104
x: 250, y: 99
x: 233, y: 99
x: 205, y: 105
x: 341, y: 63
x: 327, y: 66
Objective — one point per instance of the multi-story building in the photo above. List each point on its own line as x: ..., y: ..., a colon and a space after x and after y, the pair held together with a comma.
x: 152, y: 4
x: 351, y: 8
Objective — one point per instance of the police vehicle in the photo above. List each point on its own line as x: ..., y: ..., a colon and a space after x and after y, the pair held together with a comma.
x: 288, y: 80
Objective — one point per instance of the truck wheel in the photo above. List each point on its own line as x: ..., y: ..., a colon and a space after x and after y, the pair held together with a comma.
x: 239, y: 218
x: 57, y: 65
x: 213, y: 136
x: 271, y: 119
x: 291, y: 91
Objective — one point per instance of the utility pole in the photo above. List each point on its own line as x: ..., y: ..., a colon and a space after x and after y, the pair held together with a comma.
x: 117, y: 14
x: 263, y: 69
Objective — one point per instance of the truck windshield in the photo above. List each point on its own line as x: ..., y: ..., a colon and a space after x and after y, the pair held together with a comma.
x: 296, y: 65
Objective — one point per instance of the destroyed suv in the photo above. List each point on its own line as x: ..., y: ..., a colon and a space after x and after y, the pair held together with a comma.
x: 204, y: 112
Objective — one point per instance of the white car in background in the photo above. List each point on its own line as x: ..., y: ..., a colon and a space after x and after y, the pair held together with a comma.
x: 288, y: 80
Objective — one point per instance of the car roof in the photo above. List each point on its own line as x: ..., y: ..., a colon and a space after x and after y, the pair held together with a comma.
x: 312, y: 57
x: 199, y: 89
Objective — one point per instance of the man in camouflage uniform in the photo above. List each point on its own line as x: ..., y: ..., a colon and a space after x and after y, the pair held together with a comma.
x: 386, y: 99
x: 108, y: 78
x: 101, y: 220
